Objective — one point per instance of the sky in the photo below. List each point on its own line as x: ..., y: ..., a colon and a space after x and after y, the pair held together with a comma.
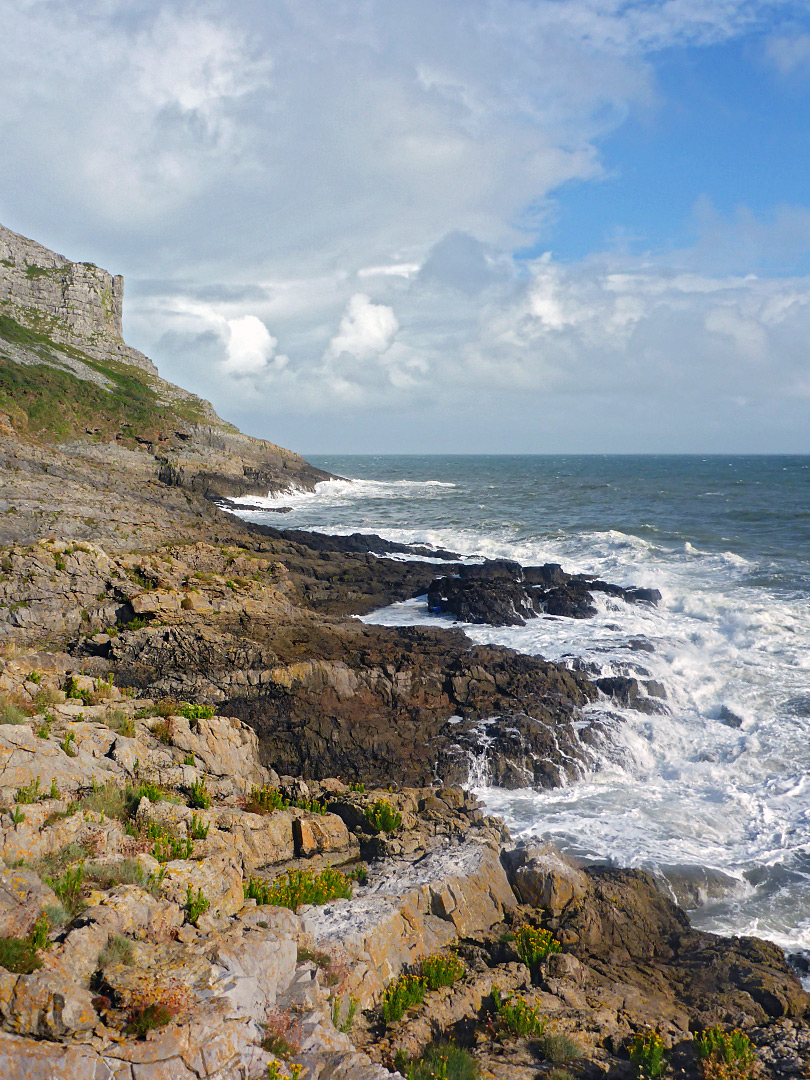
x: 448, y: 226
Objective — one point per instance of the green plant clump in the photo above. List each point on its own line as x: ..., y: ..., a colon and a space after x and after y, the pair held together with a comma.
x: 647, y: 1055
x: 382, y: 816
x: 168, y: 848
x: 196, y: 712
x: 29, y: 794
x: 141, y: 1021
x: 407, y: 991
x: 440, y: 1061
x: 534, y: 944
x: 297, y: 887
x: 68, y: 888
x: 442, y: 971
x: 198, y: 830
x: 725, y: 1055
x: 18, y: 955
x: 195, y: 906
x: 516, y: 1016
x: 198, y: 797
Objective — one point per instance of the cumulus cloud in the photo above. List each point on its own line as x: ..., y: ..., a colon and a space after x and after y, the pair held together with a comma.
x: 250, y: 348
x: 366, y: 330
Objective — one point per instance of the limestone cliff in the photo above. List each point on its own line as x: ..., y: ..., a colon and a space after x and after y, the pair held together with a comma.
x: 76, y: 304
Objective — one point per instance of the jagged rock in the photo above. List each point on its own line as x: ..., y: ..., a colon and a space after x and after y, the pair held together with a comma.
x: 503, y: 593
x: 320, y: 833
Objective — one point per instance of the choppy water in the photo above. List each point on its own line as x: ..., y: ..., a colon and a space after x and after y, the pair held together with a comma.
x: 727, y: 541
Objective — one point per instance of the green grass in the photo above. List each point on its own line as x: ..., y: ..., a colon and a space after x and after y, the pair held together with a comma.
x: 18, y: 955
x: 442, y: 971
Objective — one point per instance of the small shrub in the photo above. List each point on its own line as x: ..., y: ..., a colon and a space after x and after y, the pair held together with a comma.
x: 34, y: 677
x: 359, y: 874
x: 18, y: 955
x: 725, y: 1055
x: 11, y: 713
x: 559, y: 1048
x: 163, y: 731
x: 44, y: 729
x: 647, y: 1055
x: 382, y: 816
x: 108, y: 875
x: 39, y: 933
x: 68, y: 888
x: 118, y: 950
x: 189, y: 760
x: 120, y: 723
x: 344, y: 1023
x: 407, y: 991
x: 29, y: 794
x: 442, y: 971
x: 282, y: 1034
x: 516, y: 1016
x: 198, y: 830
x: 17, y: 816
x: 68, y: 744
x: 147, y: 1018
x: 138, y: 623
x: 145, y: 790
x: 107, y: 799
x: 440, y: 1061
x: 198, y: 797
x: 54, y: 791
x: 264, y: 800
x: 297, y: 887
x: 195, y: 906
x: 196, y: 712
x: 73, y: 692
x: 168, y: 848
x: 533, y: 944
x: 357, y: 787
x: 312, y: 806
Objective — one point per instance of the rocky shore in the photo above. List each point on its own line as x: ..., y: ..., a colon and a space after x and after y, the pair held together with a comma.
x: 233, y: 819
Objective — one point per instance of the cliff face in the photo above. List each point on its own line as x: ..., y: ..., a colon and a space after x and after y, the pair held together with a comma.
x: 74, y: 303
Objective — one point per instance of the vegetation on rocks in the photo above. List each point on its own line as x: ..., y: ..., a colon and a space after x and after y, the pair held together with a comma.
x: 298, y: 887
x: 533, y: 944
x: 440, y: 1061
x: 382, y: 816
x: 517, y: 1016
x: 724, y: 1055
x: 403, y: 994
x: 647, y: 1055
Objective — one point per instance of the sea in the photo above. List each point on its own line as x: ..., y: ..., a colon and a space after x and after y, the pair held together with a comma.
x: 715, y: 787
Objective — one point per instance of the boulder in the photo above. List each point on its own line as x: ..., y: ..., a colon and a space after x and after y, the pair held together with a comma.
x: 543, y: 877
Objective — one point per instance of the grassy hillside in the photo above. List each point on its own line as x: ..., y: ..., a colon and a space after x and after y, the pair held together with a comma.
x: 51, y: 402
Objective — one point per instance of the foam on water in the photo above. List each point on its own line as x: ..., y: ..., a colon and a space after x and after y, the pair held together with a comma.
x: 721, y: 779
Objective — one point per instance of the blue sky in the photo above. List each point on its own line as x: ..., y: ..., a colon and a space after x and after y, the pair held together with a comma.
x: 450, y: 225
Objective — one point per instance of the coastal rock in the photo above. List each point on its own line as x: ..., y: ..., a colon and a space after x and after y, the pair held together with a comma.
x: 503, y: 593
x: 23, y: 896
x: 543, y: 877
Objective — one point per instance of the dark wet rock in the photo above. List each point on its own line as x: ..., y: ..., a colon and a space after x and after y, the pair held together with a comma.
x: 729, y: 717
x: 502, y: 593
x: 693, y: 886
x: 628, y: 692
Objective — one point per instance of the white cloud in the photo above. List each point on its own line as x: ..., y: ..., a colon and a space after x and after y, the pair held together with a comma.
x: 250, y: 347
x: 366, y: 330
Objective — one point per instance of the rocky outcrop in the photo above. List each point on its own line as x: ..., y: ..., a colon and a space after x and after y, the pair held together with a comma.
x: 503, y: 593
x: 75, y: 304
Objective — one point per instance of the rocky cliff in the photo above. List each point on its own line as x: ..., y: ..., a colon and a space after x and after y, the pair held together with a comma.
x: 76, y: 304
